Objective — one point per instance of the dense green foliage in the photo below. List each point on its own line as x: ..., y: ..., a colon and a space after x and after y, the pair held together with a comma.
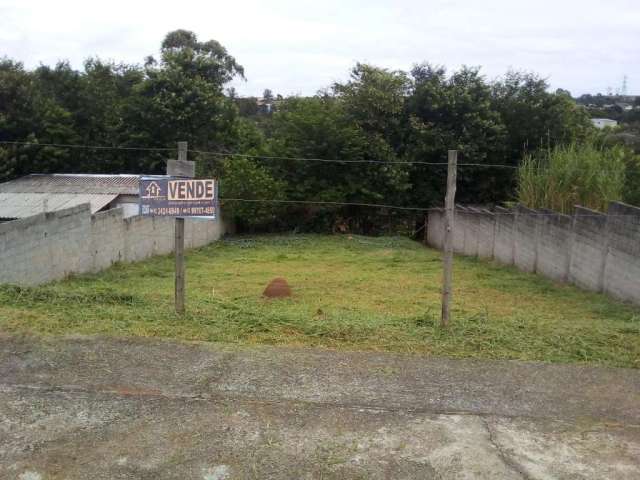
x: 566, y: 176
x: 383, y: 119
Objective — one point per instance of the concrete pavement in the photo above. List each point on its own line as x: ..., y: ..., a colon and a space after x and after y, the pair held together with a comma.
x: 101, y: 408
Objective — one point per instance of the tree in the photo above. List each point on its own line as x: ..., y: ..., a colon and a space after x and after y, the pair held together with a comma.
x: 181, y: 51
x: 320, y: 128
x: 17, y: 114
x: 535, y: 118
x: 454, y: 112
x: 182, y: 97
x: 95, y: 98
x: 383, y: 124
x: 178, y: 97
x: 247, y: 106
x: 246, y: 179
x: 267, y: 95
x: 374, y: 99
x: 28, y: 114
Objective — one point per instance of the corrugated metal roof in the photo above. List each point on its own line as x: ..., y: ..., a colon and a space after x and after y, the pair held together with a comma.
x: 73, y: 183
x: 21, y: 205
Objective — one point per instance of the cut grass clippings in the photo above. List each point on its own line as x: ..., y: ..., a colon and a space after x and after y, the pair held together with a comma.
x: 348, y: 292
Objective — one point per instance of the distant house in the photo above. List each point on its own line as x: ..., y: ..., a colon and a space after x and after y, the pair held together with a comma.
x: 626, y: 107
x: 603, y: 122
x: 33, y: 194
x: 264, y: 105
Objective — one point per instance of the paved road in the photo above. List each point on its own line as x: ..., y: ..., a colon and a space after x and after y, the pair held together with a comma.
x: 98, y: 408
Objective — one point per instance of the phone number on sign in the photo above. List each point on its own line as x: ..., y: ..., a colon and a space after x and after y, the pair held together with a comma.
x: 178, y: 211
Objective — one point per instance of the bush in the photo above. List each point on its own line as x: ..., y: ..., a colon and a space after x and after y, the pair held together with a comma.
x: 575, y: 174
x: 242, y: 178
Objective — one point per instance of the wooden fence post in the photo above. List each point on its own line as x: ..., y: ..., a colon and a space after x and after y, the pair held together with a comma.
x: 449, y: 205
x: 179, y: 246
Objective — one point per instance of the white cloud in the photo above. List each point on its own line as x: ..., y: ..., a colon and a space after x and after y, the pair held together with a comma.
x: 299, y: 47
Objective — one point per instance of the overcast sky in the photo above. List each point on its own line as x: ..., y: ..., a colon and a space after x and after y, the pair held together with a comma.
x: 298, y: 47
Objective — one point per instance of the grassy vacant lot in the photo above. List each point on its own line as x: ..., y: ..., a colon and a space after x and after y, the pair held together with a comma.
x: 349, y: 292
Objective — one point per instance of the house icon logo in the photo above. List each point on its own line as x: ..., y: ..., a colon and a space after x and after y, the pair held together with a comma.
x: 153, y: 190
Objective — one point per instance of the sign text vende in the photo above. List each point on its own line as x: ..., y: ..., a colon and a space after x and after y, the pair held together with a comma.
x: 186, y: 190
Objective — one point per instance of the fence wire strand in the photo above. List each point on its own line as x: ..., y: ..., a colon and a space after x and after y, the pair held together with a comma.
x: 244, y: 155
x: 267, y: 157
x: 87, y: 147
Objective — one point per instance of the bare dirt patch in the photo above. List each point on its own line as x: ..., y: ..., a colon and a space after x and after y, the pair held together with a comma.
x: 277, y: 288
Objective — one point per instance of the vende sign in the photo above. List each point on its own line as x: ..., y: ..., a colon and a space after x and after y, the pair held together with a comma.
x: 173, y: 197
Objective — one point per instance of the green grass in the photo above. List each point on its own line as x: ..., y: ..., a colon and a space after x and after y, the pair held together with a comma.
x: 569, y: 175
x: 349, y: 293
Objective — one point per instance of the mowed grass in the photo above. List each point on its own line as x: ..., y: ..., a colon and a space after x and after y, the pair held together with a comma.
x: 349, y: 293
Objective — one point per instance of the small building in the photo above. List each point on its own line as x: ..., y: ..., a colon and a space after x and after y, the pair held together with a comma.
x: 603, y: 122
x: 38, y: 193
x: 264, y: 105
x: 625, y: 107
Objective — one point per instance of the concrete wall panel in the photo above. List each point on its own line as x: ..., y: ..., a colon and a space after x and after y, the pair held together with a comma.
x: 526, y: 230
x: 588, y: 251
x: 486, y: 223
x: 621, y: 277
x: 435, y: 229
x: 50, y: 246
x: 554, y: 246
x: 504, y: 236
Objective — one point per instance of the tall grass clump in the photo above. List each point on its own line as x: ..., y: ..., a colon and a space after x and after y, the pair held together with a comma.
x: 575, y: 174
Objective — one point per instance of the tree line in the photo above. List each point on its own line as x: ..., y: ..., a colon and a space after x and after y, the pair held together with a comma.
x: 391, y: 117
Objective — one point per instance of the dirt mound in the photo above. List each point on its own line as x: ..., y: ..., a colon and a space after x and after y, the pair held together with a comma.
x: 277, y: 288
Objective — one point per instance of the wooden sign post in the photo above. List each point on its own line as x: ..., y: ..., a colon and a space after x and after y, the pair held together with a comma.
x: 180, y: 268
x: 449, y: 205
x: 180, y: 168
x: 179, y: 195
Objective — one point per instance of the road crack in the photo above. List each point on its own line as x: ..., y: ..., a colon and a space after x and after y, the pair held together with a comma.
x: 504, y: 456
x: 136, y: 392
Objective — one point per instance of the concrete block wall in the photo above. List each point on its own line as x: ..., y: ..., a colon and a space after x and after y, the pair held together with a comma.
x: 526, y: 227
x: 588, y: 249
x: 554, y: 246
x: 50, y: 246
x: 164, y: 234
x: 486, y: 227
x: 47, y: 245
x: 471, y: 231
x: 460, y: 229
x: 139, y: 238
x: 435, y: 228
x: 595, y: 251
x: 621, y: 276
x: 107, y: 239
x: 504, y: 235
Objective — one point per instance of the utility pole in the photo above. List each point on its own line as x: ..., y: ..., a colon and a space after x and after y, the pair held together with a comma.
x: 449, y: 205
x: 179, y: 243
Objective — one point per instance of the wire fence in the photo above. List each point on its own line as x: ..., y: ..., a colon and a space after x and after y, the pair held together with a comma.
x: 325, y: 203
x: 348, y: 161
x: 256, y: 156
x: 221, y: 155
